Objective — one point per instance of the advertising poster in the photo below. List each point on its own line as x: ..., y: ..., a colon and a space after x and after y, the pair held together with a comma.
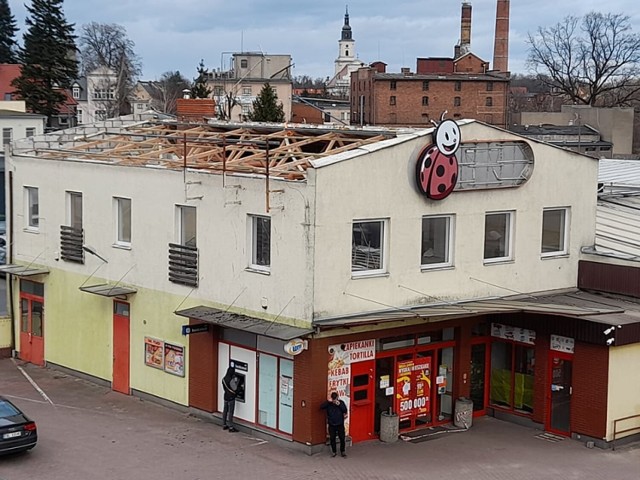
x: 153, y: 352
x: 174, y: 359
x: 422, y: 379
x: 339, y: 368
x: 404, y: 379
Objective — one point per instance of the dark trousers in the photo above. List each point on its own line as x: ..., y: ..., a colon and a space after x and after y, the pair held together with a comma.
x: 336, y: 430
x: 227, y: 412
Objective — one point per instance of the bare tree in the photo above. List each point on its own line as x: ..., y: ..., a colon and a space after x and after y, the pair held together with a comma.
x: 594, y: 60
x: 107, y: 45
x: 169, y: 89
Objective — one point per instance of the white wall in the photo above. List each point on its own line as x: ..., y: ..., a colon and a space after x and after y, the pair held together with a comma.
x: 382, y: 185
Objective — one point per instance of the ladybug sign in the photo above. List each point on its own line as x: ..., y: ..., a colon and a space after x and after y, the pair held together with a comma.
x: 437, y: 165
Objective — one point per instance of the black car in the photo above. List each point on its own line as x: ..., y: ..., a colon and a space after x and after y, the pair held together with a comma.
x: 17, y: 431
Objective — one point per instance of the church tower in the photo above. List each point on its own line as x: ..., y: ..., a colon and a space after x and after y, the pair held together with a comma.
x: 346, y: 46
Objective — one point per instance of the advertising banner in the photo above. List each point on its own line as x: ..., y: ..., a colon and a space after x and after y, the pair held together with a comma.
x: 404, y: 395
x: 174, y: 359
x: 153, y: 352
x: 413, y: 388
x: 422, y: 379
x: 339, y: 368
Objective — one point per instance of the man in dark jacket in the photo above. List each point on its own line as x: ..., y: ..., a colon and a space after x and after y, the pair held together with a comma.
x: 336, y: 413
x: 230, y: 385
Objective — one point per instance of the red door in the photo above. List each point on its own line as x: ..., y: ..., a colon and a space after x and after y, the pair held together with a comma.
x: 361, y: 409
x: 32, y: 328
x: 559, y: 390
x: 120, y: 381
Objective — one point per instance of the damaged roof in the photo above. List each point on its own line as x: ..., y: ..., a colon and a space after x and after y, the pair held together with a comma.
x: 279, y: 150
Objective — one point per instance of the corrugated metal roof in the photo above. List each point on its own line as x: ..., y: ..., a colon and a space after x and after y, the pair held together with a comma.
x: 619, y: 172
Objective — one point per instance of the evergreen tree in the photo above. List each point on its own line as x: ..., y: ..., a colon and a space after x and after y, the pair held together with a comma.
x: 266, y: 107
x: 200, y: 88
x: 8, y: 29
x: 48, y: 57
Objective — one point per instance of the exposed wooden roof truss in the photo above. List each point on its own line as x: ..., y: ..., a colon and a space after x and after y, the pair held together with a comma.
x: 281, y: 151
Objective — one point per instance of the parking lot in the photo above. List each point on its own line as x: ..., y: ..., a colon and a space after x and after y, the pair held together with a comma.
x: 86, y: 431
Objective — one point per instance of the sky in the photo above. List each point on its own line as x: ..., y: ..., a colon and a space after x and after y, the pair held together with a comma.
x: 174, y: 35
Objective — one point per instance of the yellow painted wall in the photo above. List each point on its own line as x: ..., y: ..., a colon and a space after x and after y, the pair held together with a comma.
x: 79, y: 332
x: 5, y: 332
x: 624, y: 388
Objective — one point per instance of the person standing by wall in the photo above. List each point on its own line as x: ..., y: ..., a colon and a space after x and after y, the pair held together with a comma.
x: 336, y: 413
x: 230, y: 385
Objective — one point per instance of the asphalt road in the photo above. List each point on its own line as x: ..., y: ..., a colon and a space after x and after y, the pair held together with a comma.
x: 88, y: 432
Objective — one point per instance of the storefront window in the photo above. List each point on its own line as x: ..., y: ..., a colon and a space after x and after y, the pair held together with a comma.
x: 444, y: 383
x: 267, y: 392
x: 285, y: 417
x: 501, y: 374
x: 512, y: 376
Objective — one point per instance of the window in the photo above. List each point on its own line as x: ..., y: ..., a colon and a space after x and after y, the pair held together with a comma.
x: 497, y: 236
x: 218, y: 91
x: 489, y: 102
x: 260, y: 242
x: 392, y: 85
x: 246, y: 91
x: 392, y: 100
x: 457, y: 86
x: 244, y: 63
x: 425, y: 101
x: 554, y: 232
x: 425, y: 85
x: 101, y: 115
x: 32, y: 203
x: 436, y: 241
x: 489, y: 86
x: 456, y: 101
x: 7, y: 135
x: 123, y: 221
x: 74, y: 212
x: 104, y: 93
x: 245, y: 109
x: 187, y: 226
x: 76, y: 92
x: 367, y: 249
x: 30, y: 131
x: 79, y: 115
x: 512, y: 373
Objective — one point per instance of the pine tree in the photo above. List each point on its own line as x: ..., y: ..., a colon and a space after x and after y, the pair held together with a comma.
x: 266, y: 107
x: 200, y: 88
x: 48, y: 57
x: 8, y: 29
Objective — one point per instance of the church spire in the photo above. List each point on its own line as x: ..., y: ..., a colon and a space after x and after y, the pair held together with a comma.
x: 346, y: 29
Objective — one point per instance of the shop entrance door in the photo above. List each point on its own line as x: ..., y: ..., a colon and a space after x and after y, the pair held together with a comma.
x: 479, y: 377
x: 362, y: 392
x: 32, y: 328
x: 121, y: 336
x: 413, y: 390
x: 559, y: 393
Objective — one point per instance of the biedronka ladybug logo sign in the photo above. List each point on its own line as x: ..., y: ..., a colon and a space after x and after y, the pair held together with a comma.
x: 437, y: 165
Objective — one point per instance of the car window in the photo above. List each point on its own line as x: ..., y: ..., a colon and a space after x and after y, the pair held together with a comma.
x: 7, y: 410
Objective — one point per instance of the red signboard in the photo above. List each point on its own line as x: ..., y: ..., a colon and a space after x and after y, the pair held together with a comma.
x: 413, y: 387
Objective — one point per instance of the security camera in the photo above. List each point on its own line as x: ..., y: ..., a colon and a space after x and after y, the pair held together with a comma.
x: 609, y: 330
x: 610, y: 341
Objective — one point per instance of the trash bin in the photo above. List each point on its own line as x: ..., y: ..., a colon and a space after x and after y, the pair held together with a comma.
x: 463, y: 417
x: 389, y: 427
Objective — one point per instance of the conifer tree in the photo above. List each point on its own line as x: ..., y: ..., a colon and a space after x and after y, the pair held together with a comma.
x: 8, y: 29
x: 266, y: 107
x: 200, y: 88
x: 48, y: 57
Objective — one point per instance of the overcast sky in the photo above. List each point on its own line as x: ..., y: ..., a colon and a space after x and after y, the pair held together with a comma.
x: 176, y: 34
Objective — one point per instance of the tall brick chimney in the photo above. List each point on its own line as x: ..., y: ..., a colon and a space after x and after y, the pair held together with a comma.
x: 465, y: 28
x: 501, y: 45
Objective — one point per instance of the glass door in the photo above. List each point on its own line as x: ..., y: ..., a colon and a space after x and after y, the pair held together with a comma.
x: 560, y: 390
x: 478, y: 378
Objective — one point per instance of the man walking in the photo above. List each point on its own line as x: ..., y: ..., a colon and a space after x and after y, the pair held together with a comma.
x: 336, y: 413
x: 230, y: 385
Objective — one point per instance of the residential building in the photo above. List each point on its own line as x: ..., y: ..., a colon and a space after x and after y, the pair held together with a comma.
x: 96, y: 95
x: 317, y: 260
x: 236, y: 88
x: 320, y: 110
